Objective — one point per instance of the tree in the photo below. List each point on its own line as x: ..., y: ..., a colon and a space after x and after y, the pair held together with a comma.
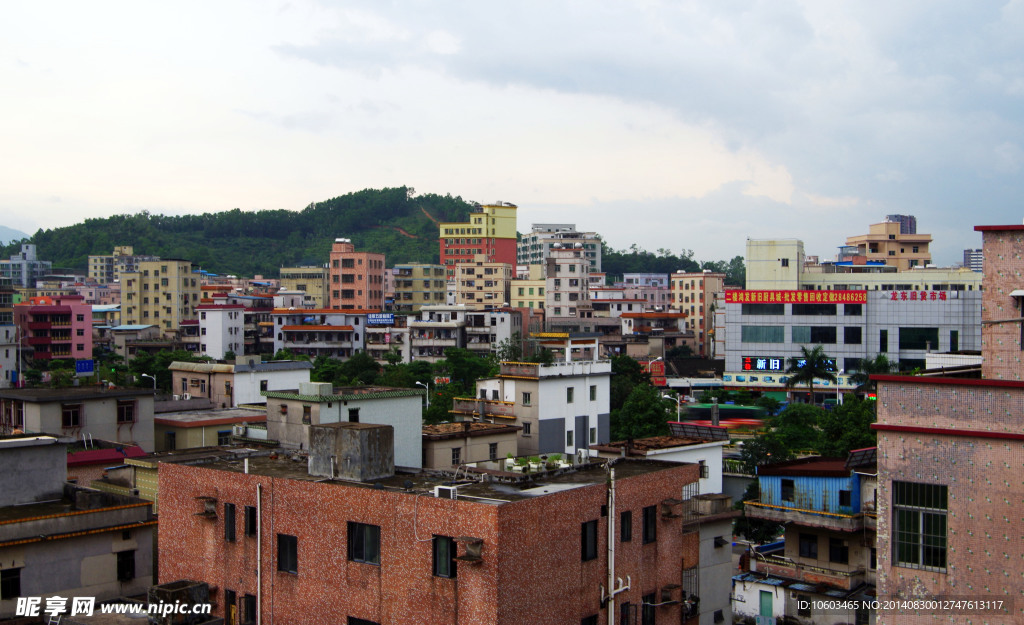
x: 644, y: 413
x: 811, y: 364
x: 765, y: 449
x: 879, y: 365
x: 465, y: 367
x: 510, y: 349
x: 796, y: 427
x: 755, y: 530
x: 229, y: 356
x: 847, y: 427
x: 626, y: 375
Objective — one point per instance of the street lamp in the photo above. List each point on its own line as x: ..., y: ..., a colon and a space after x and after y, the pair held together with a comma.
x: 146, y: 375
x: 679, y: 405
x: 426, y: 386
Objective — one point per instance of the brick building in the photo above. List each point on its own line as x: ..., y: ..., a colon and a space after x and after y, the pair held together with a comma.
x: 298, y: 548
x: 356, y: 278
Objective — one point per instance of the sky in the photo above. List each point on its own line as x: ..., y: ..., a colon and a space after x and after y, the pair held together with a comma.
x: 670, y: 125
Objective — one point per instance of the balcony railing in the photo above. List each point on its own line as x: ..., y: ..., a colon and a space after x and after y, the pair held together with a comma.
x: 790, y: 569
x: 491, y: 407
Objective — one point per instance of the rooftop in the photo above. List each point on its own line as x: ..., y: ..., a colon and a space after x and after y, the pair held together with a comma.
x: 200, y: 418
x: 440, y: 431
x: 348, y: 392
x: 641, y: 446
x: 40, y: 395
x: 808, y: 467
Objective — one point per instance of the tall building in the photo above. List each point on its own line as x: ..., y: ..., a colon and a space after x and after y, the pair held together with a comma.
x: 310, y: 280
x: 567, y: 284
x: 536, y: 245
x: 974, y: 260
x: 55, y: 327
x: 8, y: 336
x: 887, y: 242
x: 694, y: 294
x: 24, y: 268
x: 416, y: 285
x: 356, y: 278
x: 163, y: 293
x: 482, y: 284
x: 908, y: 223
x: 491, y: 231
x: 107, y: 269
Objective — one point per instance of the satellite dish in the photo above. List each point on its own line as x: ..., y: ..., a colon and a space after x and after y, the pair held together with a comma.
x: 252, y: 363
x: 407, y: 484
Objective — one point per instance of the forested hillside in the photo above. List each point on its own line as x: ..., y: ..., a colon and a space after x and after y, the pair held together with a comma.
x: 393, y: 221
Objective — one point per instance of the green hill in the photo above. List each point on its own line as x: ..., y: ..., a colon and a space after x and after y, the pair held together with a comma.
x: 246, y: 243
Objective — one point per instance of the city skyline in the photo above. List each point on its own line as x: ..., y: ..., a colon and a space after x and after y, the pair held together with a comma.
x: 780, y: 121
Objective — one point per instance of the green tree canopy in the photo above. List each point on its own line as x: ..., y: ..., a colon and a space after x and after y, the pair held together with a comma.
x: 879, y: 365
x: 811, y: 364
x: 644, y: 413
x: 847, y: 427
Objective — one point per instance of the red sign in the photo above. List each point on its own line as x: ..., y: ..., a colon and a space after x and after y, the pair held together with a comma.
x: 796, y: 297
x: 917, y: 296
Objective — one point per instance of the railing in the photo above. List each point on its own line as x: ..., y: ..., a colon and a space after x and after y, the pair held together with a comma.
x: 778, y: 565
x: 491, y: 407
x: 732, y: 465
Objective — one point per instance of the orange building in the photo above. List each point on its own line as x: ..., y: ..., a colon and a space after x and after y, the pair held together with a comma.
x: 356, y: 278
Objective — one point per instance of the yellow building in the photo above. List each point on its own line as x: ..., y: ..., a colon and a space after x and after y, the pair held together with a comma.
x: 885, y: 243
x: 162, y: 293
x: 694, y: 293
x: 482, y: 284
x: 491, y: 231
x: 417, y: 285
x: 310, y: 280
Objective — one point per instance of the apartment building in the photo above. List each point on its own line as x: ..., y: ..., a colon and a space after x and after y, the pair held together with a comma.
x: 311, y: 281
x: 319, y: 332
x: 9, y: 333
x: 482, y: 284
x: 55, y: 327
x: 527, y: 289
x: 107, y: 269
x: 449, y: 445
x: 221, y: 329
x: 567, y: 289
x: 24, y: 268
x: 427, y: 549
x: 161, y: 292
x: 974, y: 260
x: 490, y: 231
x: 388, y: 333
x: 356, y: 278
x: 417, y: 284
x: 232, y: 384
x: 536, y: 245
x: 889, y: 243
x: 437, y: 329
x: 695, y: 293
x: 59, y: 539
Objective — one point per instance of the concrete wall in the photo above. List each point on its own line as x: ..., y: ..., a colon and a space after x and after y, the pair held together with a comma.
x: 438, y: 453
x: 41, y: 469
x: 716, y: 570
x: 99, y: 419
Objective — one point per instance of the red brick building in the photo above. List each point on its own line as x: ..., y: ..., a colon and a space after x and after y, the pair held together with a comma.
x: 356, y: 278
x: 302, y: 549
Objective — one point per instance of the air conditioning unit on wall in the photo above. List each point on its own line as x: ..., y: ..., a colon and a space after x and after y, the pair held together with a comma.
x: 446, y: 492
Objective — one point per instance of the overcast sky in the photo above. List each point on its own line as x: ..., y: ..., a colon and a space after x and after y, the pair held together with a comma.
x: 672, y: 125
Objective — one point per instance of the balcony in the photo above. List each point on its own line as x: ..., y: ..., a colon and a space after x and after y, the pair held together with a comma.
x: 781, y: 566
x: 38, y: 340
x: 39, y: 325
x: 491, y: 407
x: 813, y: 518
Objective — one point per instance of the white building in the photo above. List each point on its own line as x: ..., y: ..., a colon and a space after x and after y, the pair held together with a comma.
x: 221, y: 329
x: 536, y: 245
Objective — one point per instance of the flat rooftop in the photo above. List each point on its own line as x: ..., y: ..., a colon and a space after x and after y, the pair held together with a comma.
x: 486, y: 487
x: 199, y: 418
x: 85, y: 393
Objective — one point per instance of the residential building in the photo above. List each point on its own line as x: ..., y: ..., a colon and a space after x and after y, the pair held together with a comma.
x: 106, y: 315
x: 202, y: 428
x: 55, y: 327
x: 490, y: 231
x: 527, y: 290
x: 437, y: 329
x: 290, y: 414
x: 974, y: 260
x: 356, y: 278
x: 123, y: 415
x: 653, y: 334
x: 827, y: 506
x: 221, y: 329
x: 58, y: 539
x: 645, y: 279
x: 486, y: 330
x: 567, y: 289
x: 449, y: 445
x: 319, y: 332
x: 401, y: 550
x: 890, y: 243
x: 9, y: 343
x: 417, y: 284
x: 312, y: 281
x: 908, y: 223
x: 536, y: 245
x: 24, y: 268
x: 561, y: 407
x: 108, y: 269
x: 695, y: 294
x: 482, y: 284
x: 127, y: 341
x: 233, y: 384
x: 161, y: 292
x: 387, y: 333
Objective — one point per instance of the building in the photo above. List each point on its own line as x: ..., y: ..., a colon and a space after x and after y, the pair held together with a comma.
x: 908, y: 223
x: 311, y: 281
x: 437, y: 329
x: 827, y: 506
x: 974, y: 260
x: 203, y: 428
x: 567, y: 290
x: 448, y: 445
x: 491, y: 231
x: 319, y: 332
x: 527, y: 290
x: 123, y: 415
x: 291, y: 413
x: 55, y: 327
x: 229, y: 385
x: 24, y: 268
x: 486, y: 330
x: 221, y: 329
x: 128, y: 340
x: 58, y: 539
x: 417, y: 284
x: 356, y: 278
x: 161, y: 292
x: 889, y: 242
x: 9, y: 344
x: 695, y: 293
x: 108, y: 269
x: 482, y: 284
x: 402, y: 550
x: 536, y: 245
x: 561, y: 407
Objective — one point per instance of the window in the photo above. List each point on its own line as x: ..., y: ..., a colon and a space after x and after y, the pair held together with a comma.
x: 307, y: 414
x: 853, y: 310
x: 626, y: 526
x: 647, y: 613
x: 919, y: 338
x: 873, y: 564
x: 593, y: 392
x: 954, y: 340
x: 492, y: 451
x: 569, y: 395
x: 568, y: 439
x: 809, y: 546
x: 444, y: 557
x: 71, y: 415
x: 588, y: 540
x: 170, y: 441
x: 705, y: 470
x: 762, y: 309
x: 527, y: 398
x: 229, y: 522
x: 10, y: 584
x: 456, y: 455
x: 814, y: 309
x: 762, y: 334
x: 593, y: 436
x: 784, y: 261
x: 852, y: 335
x: 263, y: 385
x: 250, y: 520
x: 838, y: 551
x: 224, y: 437
x: 248, y: 615
x: 364, y: 543
x: 844, y: 499
x: 287, y: 553
x: 650, y: 524
x: 589, y: 620
x: 919, y: 512
x: 526, y: 428
x: 787, y: 490
x: 126, y: 412
x: 126, y: 565
x: 883, y: 341
x: 817, y: 335
x: 353, y: 415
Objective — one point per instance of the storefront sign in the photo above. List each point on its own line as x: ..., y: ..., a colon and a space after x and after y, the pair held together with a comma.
x: 796, y: 297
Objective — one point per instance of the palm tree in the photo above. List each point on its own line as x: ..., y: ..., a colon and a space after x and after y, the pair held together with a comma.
x: 878, y: 365
x: 810, y: 364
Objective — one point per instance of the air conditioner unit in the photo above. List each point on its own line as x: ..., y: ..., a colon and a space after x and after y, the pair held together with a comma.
x: 186, y: 396
x: 446, y: 492
x: 239, y: 430
x: 582, y: 455
x: 176, y: 397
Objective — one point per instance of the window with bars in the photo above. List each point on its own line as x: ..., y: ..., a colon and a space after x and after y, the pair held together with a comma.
x: 919, y: 521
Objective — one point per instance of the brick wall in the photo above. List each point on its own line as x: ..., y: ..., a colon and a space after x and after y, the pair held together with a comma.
x: 1004, y: 259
